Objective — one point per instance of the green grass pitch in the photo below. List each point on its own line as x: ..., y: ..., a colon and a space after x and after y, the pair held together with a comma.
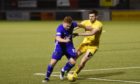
x: 26, y: 48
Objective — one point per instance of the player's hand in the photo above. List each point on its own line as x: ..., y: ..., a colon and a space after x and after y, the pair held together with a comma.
x: 75, y: 34
x: 67, y: 40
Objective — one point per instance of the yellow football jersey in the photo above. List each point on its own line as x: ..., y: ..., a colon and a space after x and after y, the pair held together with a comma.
x: 94, y: 39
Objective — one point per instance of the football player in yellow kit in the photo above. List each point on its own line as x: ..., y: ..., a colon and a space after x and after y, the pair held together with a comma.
x: 90, y: 44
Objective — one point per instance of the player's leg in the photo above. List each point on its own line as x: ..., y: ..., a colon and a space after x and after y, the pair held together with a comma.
x: 89, y: 53
x: 82, y: 49
x: 79, y: 53
x: 72, y: 61
x: 50, y: 68
x: 71, y: 55
x: 57, y: 55
x: 85, y: 58
x: 68, y: 66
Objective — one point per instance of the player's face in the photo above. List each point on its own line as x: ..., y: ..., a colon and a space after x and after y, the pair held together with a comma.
x: 92, y: 17
x: 66, y: 25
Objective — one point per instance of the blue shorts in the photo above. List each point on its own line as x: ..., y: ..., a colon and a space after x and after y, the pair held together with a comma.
x: 69, y: 53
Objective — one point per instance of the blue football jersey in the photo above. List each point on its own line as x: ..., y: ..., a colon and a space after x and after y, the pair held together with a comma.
x: 66, y: 49
x: 65, y: 33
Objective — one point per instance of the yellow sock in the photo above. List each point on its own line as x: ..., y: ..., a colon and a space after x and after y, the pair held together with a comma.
x: 76, y: 70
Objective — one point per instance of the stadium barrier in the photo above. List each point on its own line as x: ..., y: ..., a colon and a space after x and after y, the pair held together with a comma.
x: 51, y: 14
x: 122, y: 15
x: 20, y: 15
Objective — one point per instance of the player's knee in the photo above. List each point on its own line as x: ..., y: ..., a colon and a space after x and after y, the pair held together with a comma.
x: 72, y: 61
x: 89, y: 55
x: 53, y: 62
x: 78, y: 52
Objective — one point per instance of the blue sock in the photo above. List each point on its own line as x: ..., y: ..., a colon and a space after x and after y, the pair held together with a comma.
x: 67, y: 67
x: 49, y: 71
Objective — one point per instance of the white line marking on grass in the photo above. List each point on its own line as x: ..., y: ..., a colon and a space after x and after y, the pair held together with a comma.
x: 112, y: 80
x: 123, y: 68
x: 100, y: 79
x: 39, y: 74
x: 55, y: 75
x: 107, y: 69
x: 107, y: 80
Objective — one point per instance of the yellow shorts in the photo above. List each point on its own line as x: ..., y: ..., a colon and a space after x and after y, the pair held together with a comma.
x: 87, y: 47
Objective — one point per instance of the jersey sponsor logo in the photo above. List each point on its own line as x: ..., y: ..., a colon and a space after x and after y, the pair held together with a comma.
x: 73, y: 50
x: 58, y: 33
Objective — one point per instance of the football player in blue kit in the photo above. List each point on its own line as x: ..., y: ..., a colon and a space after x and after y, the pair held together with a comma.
x: 63, y: 46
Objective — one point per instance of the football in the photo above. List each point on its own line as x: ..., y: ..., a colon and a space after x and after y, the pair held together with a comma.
x: 72, y: 77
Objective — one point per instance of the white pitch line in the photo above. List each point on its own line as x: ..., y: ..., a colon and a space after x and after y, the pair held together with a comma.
x: 108, y: 80
x: 123, y: 68
x: 111, y: 80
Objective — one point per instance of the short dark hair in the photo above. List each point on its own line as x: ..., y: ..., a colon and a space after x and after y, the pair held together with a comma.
x: 68, y: 19
x: 94, y: 12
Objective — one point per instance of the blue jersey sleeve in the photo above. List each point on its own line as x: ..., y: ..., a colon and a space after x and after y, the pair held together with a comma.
x: 59, y: 31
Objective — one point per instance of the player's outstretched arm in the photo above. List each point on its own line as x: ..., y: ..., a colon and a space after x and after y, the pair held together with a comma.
x: 79, y: 26
x: 93, y: 32
x: 59, y: 39
x: 83, y: 27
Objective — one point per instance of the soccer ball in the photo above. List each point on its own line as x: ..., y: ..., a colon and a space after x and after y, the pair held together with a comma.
x: 72, y: 77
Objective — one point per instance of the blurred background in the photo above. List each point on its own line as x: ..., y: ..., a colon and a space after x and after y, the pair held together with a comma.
x: 27, y: 34
x: 78, y: 9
